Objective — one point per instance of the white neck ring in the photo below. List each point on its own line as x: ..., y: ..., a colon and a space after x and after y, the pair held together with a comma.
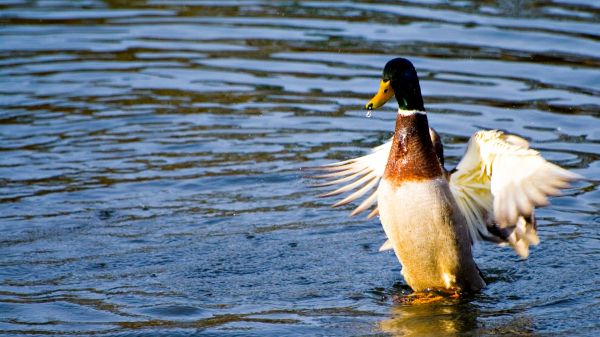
x: 410, y: 112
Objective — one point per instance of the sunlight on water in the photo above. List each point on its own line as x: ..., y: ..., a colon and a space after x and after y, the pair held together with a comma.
x: 152, y: 163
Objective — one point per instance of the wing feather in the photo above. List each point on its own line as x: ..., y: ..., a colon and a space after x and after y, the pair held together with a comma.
x: 359, y: 182
x: 362, y: 175
x: 498, y: 184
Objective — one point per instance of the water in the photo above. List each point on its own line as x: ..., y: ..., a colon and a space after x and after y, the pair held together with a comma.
x: 151, y: 155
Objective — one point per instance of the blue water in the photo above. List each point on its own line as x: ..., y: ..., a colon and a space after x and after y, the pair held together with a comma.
x: 151, y: 157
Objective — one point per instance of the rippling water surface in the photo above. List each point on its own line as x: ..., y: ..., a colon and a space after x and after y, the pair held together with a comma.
x: 151, y: 157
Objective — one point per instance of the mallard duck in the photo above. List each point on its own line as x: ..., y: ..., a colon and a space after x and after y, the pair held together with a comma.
x: 432, y: 216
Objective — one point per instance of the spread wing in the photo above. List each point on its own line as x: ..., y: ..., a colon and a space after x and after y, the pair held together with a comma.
x: 362, y: 175
x: 497, y: 185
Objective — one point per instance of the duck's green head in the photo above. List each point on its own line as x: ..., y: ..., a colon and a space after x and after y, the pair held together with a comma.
x: 399, y: 79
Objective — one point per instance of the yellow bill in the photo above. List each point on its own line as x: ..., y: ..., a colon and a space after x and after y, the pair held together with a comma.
x: 383, y: 95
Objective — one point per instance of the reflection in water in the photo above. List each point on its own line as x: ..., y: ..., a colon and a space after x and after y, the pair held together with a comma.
x: 453, y: 318
x: 435, y: 319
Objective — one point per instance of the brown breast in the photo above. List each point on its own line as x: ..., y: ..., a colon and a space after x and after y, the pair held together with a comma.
x: 412, y: 157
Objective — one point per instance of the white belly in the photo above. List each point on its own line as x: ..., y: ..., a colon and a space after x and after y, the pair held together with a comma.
x: 429, y: 237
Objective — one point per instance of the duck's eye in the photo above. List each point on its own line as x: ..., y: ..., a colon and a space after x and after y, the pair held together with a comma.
x: 385, y: 91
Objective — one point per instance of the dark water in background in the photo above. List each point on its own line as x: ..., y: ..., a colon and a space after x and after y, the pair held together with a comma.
x: 150, y: 156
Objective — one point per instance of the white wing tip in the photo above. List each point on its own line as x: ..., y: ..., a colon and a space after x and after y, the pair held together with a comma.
x: 387, y: 245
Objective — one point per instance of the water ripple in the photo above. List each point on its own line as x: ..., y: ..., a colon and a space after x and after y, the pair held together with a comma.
x: 152, y: 159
